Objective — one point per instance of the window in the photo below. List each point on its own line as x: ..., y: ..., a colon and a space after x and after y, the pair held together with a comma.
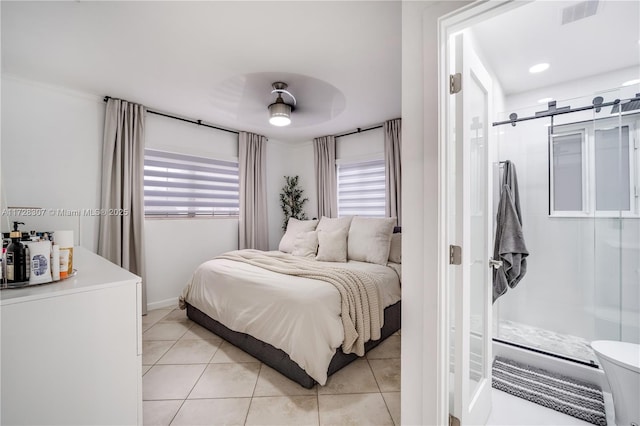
x: 187, y: 186
x: 568, y: 159
x: 361, y: 188
x: 612, y: 169
x: 594, y: 168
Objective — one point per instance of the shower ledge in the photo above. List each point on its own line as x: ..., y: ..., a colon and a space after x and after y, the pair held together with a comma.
x: 624, y: 246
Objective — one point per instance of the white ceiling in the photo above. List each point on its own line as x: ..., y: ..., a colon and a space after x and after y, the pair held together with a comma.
x: 533, y: 33
x: 215, y: 61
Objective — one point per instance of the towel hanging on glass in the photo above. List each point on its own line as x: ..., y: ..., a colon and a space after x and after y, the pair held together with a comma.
x: 510, y: 251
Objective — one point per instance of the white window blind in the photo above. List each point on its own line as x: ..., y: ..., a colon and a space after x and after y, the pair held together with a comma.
x: 361, y: 189
x: 189, y: 186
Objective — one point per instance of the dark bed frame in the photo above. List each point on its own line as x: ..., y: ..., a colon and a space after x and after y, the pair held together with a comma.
x: 278, y: 359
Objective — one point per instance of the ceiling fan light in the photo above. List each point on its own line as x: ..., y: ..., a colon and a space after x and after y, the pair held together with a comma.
x: 280, y: 121
x: 279, y: 113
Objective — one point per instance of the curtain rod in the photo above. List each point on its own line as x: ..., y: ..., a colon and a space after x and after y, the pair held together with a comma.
x: 359, y: 130
x: 198, y: 122
x: 552, y: 110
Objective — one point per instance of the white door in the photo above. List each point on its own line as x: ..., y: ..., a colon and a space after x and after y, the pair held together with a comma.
x: 469, y: 226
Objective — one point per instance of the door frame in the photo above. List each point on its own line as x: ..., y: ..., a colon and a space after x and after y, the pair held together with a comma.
x: 453, y: 22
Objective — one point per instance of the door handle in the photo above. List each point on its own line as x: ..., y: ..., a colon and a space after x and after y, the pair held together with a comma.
x: 497, y: 264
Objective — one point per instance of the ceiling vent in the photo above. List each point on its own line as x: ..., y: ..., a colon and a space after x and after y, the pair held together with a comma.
x: 579, y: 11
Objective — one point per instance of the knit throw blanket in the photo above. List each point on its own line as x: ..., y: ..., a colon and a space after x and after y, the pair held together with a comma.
x: 362, y: 313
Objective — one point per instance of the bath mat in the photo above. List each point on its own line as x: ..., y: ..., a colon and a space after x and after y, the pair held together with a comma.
x: 564, y: 394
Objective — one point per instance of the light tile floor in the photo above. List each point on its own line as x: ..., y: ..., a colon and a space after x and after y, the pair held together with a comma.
x: 509, y: 410
x: 192, y: 377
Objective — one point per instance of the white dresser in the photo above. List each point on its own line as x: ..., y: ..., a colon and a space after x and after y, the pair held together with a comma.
x: 72, y: 350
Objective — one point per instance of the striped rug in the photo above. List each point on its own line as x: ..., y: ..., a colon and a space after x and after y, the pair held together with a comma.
x: 564, y: 394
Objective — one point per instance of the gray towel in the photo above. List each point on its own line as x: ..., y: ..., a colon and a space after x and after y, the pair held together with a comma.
x: 509, y: 244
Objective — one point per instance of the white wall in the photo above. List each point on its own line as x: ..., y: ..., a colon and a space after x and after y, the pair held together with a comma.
x: 288, y: 159
x: 578, y: 285
x: 51, y: 156
x: 175, y: 247
x: 301, y: 164
x: 361, y: 146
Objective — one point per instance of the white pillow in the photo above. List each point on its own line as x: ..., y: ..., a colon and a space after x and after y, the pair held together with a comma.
x: 332, y: 246
x: 333, y: 224
x: 295, y: 227
x: 306, y: 244
x: 370, y: 239
x: 395, y: 249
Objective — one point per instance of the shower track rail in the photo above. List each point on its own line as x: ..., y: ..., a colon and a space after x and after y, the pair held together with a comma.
x: 551, y: 354
x: 597, y: 104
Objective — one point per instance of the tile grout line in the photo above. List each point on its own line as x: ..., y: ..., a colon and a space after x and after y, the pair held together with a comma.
x: 171, y: 347
x: 199, y: 377
x: 374, y: 376
x: 194, y: 383
x: 159, y: 358
x: 246, y: 416
x: 380, y: 391
x: 163, y: 354
x: 156, y: 321
x: 177, y: 411
x: 318, y: 401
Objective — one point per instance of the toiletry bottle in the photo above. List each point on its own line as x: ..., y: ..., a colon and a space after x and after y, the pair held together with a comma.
x: 16, y: 265
x: 27, y: 262
x: 55, y: 262
x: 40, y: 262
x: 64, y: 239
x: 3, y: 267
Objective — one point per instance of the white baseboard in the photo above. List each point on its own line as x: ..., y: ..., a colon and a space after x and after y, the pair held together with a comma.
x: 167, y: 303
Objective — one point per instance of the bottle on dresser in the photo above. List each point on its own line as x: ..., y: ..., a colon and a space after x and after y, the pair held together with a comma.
x: 15, y: 257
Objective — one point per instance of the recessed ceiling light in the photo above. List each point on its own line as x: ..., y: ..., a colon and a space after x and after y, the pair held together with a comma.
x: 539, y: 68
x: 631, y: 82
x: 544, y: 100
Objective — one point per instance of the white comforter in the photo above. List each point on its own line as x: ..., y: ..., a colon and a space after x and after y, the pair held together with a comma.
x: 301, y: 316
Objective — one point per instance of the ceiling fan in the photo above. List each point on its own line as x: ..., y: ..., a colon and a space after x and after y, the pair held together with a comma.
x: 280, y: 111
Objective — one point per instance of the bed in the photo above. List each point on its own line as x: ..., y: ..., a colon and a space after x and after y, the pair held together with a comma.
x: 308, y: 309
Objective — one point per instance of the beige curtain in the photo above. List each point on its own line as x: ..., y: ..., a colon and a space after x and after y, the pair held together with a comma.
x: 121, y: 236
x: 324, y: 155
x: 252, y: 152
x: 393, y: 169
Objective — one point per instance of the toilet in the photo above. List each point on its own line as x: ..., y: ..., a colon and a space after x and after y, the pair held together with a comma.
x: 621, y: 364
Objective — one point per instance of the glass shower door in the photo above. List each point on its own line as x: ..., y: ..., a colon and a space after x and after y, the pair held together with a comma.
x: 616, y: 223
x: 579, y: 183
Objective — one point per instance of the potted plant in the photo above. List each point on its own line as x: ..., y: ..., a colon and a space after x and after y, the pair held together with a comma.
x: 291, y: 201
